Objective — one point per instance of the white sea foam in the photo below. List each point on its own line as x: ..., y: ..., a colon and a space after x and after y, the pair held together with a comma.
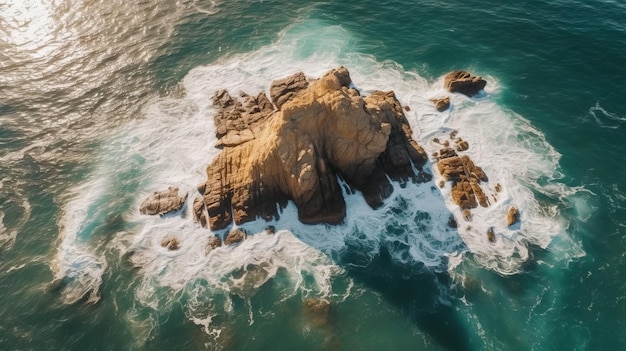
x: 77, y: 268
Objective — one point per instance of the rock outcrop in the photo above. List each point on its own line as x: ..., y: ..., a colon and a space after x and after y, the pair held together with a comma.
x: 512, y: 216
x: 170, y: 243
x: 463, y: 173
x: 162, y: 202
x: 234, y: 236
x: 464, y: 83
x: 441, y: 104
x: 321, y: 130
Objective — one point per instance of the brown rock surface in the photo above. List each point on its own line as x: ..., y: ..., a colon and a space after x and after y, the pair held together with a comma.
x: 241, y: 119
x: 441, y: 104
x: 161, y: 202
x: 214, y: 243
x: 512, y: 216
x: 170, y: 243
x: 464, y: 83
x: 323, y: 129
x: 317, y: 310
x: 465, y: 177
x: 283, y: 90
x: 234, y: 236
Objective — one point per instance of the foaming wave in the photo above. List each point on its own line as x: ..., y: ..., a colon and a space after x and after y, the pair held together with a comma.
x: 77, y: 268
x: 208, y: 282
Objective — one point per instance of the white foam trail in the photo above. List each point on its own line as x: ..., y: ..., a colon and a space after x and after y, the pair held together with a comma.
x: 604, y: 118
x: 77, y: 268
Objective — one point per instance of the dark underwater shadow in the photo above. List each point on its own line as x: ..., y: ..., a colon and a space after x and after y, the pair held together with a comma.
x: 417, y: 291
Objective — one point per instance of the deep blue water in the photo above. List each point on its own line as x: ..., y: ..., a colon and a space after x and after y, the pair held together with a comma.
x: 102, y: 102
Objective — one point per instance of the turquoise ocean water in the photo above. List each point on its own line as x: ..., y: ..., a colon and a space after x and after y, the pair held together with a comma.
x: 103, y: 102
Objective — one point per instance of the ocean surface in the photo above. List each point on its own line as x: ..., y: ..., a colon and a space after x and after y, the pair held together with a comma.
x: 104, y: 101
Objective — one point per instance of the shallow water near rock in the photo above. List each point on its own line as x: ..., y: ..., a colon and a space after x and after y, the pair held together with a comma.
x: 104, y: 103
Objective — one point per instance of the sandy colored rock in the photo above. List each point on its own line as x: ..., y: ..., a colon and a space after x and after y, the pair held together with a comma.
x: 464, y: 83
x: 214, y: 243
x: 467, y: 215
x: 234, y: 236
x: 322, y: 130
x: 170, y: 243
x: 285, y: 89
x: 161, y: 202
x: 441, y: 104
x: 452, y: 222
x: 239, y: 120
x: 512, y: 216
x: 465, y: 177
x: 199, y: 212
x: 462, y: 145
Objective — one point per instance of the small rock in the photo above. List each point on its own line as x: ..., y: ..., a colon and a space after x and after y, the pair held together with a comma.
x: 462, y: 145
x: 170, y: 243
x: 215, y: 242
x: 441, y: 104
x: 201, y: 188
x: 452, y: 222
x: 467, y: 215
x: 498, y: 187
x: 441, y: 183
x: 491, y: 235
x: 162, y: 202
x: 407, y: 108
x: 512, y: 216
x: 235, y: 236
x: 270, y: 229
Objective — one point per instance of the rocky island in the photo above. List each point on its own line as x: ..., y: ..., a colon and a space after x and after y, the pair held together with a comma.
x: 309, y: 139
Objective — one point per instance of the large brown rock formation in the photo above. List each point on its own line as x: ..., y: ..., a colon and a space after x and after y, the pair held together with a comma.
x: 320, y: 130
x: 464, y: 83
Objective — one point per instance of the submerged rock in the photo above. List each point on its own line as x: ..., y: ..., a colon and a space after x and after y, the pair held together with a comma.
x: 214, y: 242
x: 317, y: 311
x: 162, y: 202
x: 322, y: 129
x: 464, y: 83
